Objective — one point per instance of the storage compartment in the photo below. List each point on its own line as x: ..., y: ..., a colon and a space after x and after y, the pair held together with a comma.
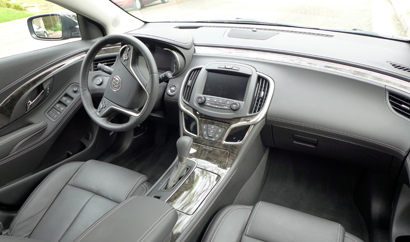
x: 332, y: 148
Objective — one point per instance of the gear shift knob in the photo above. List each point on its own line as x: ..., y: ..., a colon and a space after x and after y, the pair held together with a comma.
x: 184, y: 144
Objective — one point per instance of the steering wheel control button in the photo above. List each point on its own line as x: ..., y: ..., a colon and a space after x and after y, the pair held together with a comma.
x: 235, y: 106
x: 102, y: 106
x: 200, y: 100
x: 115, y: 83
x: 172, y: 90
x: 98, y: 81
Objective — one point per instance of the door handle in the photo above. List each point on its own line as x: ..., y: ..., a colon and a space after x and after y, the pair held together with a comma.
x: 30, y: 103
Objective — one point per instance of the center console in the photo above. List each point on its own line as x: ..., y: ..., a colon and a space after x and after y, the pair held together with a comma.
x: 220, y: 104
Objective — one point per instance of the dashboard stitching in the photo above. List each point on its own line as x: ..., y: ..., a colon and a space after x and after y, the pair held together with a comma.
x: 342, y: 133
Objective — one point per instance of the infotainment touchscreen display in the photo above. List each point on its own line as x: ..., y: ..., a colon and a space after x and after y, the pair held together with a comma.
x: 226, y: 85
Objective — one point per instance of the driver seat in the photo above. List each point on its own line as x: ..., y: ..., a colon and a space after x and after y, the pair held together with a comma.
x: 76, y: 197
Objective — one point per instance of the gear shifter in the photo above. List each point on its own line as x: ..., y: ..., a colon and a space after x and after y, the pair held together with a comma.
x: 184, y: 144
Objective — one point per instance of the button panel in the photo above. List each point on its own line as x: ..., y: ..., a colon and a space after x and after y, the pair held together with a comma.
x: 64, y: 102
x: 211, y: 132
x: 220, y: 103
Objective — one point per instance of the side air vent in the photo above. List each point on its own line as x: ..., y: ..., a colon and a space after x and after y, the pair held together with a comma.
x: 400, y: 104
x: 106, y: 60
x: 399, y: 66
x: 260, y: 95
x: 189, y: 85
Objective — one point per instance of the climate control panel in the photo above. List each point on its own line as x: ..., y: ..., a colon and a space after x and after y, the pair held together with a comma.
x: 220, y: 103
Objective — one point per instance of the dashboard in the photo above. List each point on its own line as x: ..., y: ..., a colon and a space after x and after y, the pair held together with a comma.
x: 309, y: 104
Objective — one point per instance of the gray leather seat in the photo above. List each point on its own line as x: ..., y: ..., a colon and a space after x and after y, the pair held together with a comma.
x: 273, y: 223
x: 78, y: 198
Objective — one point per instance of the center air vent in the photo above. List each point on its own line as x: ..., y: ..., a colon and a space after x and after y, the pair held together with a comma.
x: 260, y: 95
x: 189, y: 84
x: 400, y: 104
x: 106, y: 60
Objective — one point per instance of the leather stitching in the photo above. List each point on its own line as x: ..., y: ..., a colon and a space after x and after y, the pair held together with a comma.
x: 26, y: 139
x: 93, y: 192
x: 34, y: 194
x: 38, y: 126
x: 252, y: 218
x: 45, y: 139
x: 223, y: 216
x: 77, y: 215
x: 350, y: 238
x: 101, y: 219
x: 134, y: 187
x: 155, y: 224
x: 341, y: 133
x: 223, y: 219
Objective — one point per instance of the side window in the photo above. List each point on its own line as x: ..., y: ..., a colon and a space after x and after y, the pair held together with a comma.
x: 35, y: 24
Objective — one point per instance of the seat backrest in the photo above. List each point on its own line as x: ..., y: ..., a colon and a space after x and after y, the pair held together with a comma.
x: 72, y: 198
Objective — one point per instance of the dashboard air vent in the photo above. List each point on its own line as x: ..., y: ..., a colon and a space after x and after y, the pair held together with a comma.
x: 400, y: 104
x: 260, y: 95
x: 189, y: 85
x: 400, y: 67
x: 106, y: 60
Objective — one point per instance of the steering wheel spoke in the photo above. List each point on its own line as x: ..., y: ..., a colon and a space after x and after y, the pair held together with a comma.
x: 127, y: 91
x: 106, y: 108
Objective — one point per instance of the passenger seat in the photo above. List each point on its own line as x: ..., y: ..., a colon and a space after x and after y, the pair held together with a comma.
x: 272, y: 223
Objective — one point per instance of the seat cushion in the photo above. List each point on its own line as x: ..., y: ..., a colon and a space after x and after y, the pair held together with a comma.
x: 72, y: 198
x: 273, y: 223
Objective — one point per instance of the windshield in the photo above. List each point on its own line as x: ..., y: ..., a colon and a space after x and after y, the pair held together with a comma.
x: 378, y: 17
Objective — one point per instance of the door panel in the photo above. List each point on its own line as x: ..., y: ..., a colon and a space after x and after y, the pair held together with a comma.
x: 33, y: 87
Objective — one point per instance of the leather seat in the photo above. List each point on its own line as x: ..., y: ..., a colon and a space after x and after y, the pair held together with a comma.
x: 76, y: 197
x: 273, y: 223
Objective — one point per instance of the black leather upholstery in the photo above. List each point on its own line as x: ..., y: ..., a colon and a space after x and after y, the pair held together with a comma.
x: 72, y: 198
x: 273, y: 223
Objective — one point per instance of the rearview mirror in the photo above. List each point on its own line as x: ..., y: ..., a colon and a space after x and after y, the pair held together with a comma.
x: 55, y: 26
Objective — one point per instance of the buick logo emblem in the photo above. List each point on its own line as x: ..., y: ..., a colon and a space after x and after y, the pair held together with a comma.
x: 116, y: 83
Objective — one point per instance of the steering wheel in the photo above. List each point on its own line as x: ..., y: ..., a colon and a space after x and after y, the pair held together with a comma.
x: 127, y: 92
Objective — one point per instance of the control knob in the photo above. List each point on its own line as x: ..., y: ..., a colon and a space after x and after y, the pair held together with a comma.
x: 200, y: 100
x: 235, y: 106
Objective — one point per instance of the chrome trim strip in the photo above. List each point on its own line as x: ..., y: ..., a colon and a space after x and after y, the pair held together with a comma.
x: 181, y: 102
x: 176, y: 57
x: 47, y: 74
x: 256, y: 119
x: 183, y: 181
x: 196, y: 120
x: 355, y: 72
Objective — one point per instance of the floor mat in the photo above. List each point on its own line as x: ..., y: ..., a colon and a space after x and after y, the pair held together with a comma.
x: 154, y: 160
x: 317, y: 186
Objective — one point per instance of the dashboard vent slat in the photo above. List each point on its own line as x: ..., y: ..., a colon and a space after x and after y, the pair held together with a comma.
x: 400, y: 66
x: 400, y: 104
x: 190, y: 83
x: 260, y: 95
x: 108, y: 61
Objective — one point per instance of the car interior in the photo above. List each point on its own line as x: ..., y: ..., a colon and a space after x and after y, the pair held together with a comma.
x: 196, y: 131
